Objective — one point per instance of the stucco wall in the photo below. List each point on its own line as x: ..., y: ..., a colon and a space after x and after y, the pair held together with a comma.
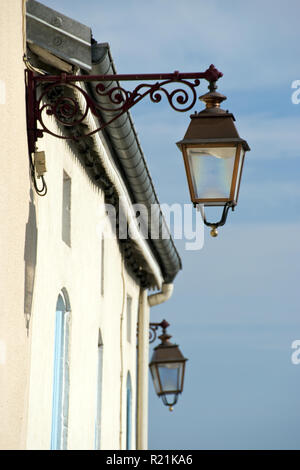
x: 14, y: 212
x: 35, y: 265
x: 78, y: 270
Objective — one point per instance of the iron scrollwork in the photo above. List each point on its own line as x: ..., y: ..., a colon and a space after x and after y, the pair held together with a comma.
x: 152, y: 332
x: 67, y: 111
x: 56, y: 96
x: 153, y: 327
x: 58, y: 100
x: 124, y: 100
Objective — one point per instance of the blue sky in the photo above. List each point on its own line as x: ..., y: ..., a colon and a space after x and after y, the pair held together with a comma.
x: 235, y: 308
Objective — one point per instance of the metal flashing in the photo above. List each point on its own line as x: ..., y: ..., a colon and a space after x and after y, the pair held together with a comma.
x: 56, y: 33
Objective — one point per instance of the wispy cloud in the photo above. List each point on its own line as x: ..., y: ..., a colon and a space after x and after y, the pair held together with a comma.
x: 271, y: 136
x: 254, y: 43
x: 248, y: 275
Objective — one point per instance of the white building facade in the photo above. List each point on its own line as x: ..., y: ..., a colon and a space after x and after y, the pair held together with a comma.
x: 75, y: 315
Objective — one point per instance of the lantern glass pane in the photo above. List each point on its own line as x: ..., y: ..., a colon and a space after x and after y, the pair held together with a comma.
x: 154, y: 374
x: 170, y: 375
x: 211, y: 171
x: 239, y: 174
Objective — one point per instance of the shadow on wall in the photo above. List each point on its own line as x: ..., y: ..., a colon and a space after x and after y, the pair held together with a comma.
x: 30, y: 251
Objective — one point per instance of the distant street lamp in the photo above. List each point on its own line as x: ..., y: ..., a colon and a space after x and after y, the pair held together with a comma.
x: 213, y: 154
x: 167, y: 368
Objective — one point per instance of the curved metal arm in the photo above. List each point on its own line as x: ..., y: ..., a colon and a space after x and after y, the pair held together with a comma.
x: 56, y: 98
x: 222, y: 221
x: 154, y: 327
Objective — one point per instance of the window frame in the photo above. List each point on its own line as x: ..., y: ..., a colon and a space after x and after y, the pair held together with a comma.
x: 61, y: 373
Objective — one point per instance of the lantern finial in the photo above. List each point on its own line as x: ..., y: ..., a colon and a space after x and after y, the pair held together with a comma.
x: 212, y: 100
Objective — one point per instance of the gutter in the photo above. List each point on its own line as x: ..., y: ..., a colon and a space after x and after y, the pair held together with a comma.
x: 125, y: 202
x: 162, y: 296
x: 125, y: 142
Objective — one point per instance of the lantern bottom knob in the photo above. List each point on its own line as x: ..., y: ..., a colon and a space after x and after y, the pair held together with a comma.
x: 170, y: 408
x: 214, y: 232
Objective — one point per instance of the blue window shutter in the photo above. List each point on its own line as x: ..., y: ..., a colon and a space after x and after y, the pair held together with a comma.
x: 60, y: 397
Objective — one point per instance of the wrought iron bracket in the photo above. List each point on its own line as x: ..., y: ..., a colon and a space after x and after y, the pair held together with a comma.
x: 153, y: 327
x: 53, y: 95
x: 223, y: 219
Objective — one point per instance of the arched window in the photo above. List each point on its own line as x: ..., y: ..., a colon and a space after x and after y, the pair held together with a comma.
x: 128, y: 412
x: 60, y: 399
x: 99, y: 393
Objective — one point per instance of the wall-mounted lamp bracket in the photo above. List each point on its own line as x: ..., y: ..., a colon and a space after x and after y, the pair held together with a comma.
x: 153, y: 327
x: 51, y: 95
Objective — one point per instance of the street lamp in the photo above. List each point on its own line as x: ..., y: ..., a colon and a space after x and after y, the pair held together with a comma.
x: 213, y: 154
x: 167, y: 368
x: 212, y: 149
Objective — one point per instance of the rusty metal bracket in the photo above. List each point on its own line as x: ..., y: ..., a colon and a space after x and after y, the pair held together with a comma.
x: 153, y: 327
x: 53, y: 95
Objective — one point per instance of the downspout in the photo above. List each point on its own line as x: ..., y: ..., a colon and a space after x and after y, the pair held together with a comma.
x: 162, y: 296
x: 142, y: 373
x: 143, y: 359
